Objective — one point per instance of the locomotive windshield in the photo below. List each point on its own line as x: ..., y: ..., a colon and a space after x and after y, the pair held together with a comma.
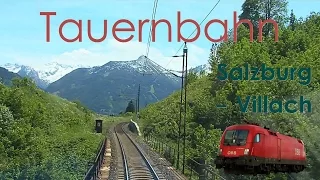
x: 235, y: 137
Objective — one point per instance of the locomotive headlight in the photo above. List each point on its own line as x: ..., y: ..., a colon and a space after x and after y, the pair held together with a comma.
x: 246, y: 151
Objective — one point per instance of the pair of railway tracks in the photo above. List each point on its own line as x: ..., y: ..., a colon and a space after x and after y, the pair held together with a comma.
x: 133, y: 164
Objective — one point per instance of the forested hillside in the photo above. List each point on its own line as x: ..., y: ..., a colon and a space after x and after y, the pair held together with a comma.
x: 298, y: 46
x: 6, y: 76
x: 43, y: 136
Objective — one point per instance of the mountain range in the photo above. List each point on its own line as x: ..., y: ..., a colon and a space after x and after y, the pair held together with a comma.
x: 43, y: 75
x: 201, y: 68
x: 108, y: 88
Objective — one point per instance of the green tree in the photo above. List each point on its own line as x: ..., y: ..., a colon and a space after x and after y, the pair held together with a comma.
x: 292, y: 20
x: 191, y: 77
x: 130, y: 107
x: 43, y: 136
x: 251, y: 10
x: 255, y: 10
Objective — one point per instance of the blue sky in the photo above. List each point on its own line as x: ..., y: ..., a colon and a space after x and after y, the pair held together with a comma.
x: 23, y: 38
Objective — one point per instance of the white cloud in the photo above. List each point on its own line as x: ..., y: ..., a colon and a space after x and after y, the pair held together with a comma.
x: 116, y: 51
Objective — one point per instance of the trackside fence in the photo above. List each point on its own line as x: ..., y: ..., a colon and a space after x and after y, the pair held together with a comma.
x: 93, y: 172
x: 193, y: 169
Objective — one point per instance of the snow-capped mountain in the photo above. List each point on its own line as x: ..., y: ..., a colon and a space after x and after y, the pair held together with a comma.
x: 26, y: 71
x: 43, y: 75
x: 205, y: 68
x: 52, y: 72
x: 142, y: 65
x: 108, y: 88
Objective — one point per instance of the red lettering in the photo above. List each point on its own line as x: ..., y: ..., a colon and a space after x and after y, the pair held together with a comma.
x: 275, y: 25
x: 225, y: 26
x: 78, y: 24
x: 236, y: 25
x: 154, y: 25
x: 104, y: 36
x: 141, y: 23
x: 114, y: 29
x: 180, y: 37
x: 48, y: 14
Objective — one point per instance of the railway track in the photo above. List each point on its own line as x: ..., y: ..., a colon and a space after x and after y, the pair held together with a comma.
x: 133, y: 164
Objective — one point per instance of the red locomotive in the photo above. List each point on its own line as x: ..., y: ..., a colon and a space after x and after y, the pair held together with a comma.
x: 252, y: 149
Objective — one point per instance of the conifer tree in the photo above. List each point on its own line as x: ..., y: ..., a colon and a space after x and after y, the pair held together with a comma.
x: 255, y: 10
x: 130, y: 107
x: 292, y: 20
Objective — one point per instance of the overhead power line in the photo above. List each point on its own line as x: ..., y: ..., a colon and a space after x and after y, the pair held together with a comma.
x: 155, y: 5
x: 154, y: 11
x: 191, y: 35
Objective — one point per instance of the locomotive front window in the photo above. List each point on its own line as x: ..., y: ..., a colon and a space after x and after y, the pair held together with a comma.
x: 236, y: 137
